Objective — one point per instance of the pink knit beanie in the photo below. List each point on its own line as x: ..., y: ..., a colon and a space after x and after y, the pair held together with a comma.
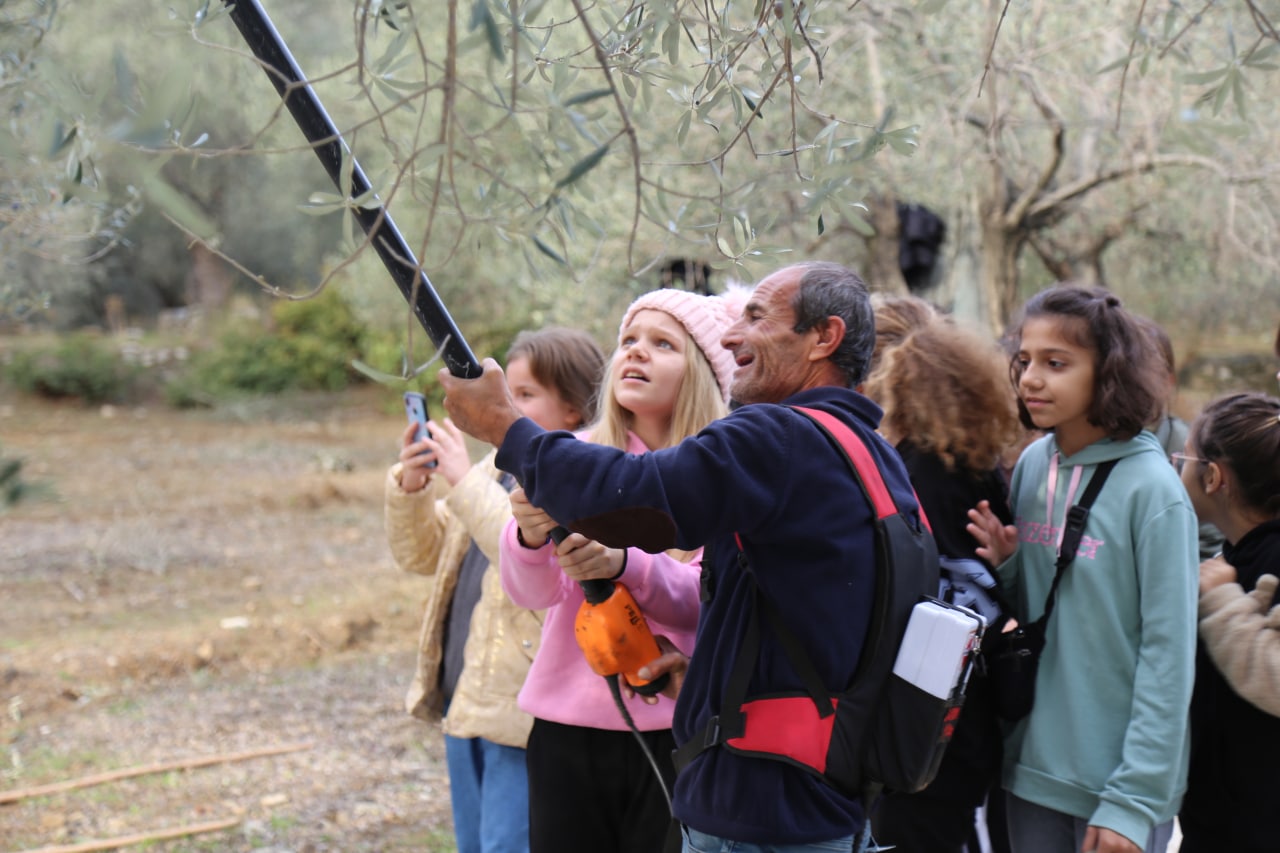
x: 706, y: 318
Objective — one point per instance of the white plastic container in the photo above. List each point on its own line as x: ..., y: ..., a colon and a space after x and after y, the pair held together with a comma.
x: 938, y: 647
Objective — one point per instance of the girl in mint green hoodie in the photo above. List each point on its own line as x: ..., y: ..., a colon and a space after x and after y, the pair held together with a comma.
x: 1100, y: 764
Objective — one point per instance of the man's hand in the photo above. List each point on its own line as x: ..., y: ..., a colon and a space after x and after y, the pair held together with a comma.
x: 1215, y: 572
x: 481, y: 407
x: 673, y: 662
x: 1099, y: 839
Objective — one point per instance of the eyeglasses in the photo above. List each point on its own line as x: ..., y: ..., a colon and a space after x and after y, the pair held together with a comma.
x: 1180, y: 460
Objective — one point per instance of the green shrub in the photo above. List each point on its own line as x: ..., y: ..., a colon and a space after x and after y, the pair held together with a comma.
x: 80, y: 366
x: 310, y: 349
x: 14, y: 488
x: 326, y: 316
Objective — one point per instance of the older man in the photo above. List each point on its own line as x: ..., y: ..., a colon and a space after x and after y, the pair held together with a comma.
x: 765, y: 477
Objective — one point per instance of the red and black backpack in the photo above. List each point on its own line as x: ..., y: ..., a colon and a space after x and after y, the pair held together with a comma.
x: 880, y: 731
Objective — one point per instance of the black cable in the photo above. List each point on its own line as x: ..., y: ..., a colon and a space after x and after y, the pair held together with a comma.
x: 616, y: 690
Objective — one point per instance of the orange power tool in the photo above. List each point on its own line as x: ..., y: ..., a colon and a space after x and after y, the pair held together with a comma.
x: 612, y: 632
x: 614, y: 636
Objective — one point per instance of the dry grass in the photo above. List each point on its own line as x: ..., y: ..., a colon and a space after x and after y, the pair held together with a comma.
x: 206, y: 583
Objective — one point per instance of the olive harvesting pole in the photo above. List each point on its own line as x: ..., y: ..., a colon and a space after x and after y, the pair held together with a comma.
x: 305, y: 107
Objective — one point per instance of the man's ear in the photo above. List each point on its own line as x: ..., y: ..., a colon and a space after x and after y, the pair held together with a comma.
x: 830, y: 334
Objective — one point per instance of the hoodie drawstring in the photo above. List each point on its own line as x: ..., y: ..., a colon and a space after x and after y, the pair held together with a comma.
x: 1076, y: 473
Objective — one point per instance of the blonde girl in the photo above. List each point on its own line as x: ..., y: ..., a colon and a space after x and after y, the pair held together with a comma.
x: 591, y: 785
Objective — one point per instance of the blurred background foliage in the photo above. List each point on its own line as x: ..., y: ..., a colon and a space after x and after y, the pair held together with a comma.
x: 547, y: 160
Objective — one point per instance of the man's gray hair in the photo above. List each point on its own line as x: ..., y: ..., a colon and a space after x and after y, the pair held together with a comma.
x: 827, y: 290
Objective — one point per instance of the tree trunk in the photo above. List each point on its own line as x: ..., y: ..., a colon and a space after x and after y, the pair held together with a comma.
x: 999, y: 276
x: 961, y: 287
x: 884, y: 273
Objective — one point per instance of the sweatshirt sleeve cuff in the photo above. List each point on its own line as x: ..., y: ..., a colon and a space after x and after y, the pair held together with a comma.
x: 1132, y: 825
x: 516, y: 552
x: 514, y: 452
x: 635, y: 571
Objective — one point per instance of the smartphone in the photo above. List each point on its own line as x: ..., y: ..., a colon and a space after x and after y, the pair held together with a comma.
x: 415, y: 408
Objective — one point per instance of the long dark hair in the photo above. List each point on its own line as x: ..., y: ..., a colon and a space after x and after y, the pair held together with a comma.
x: 1129, y: 384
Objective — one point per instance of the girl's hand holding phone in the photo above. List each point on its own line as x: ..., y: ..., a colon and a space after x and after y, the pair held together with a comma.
x: 450, y: 448
x: 443, y: 451
x: 415, y: 457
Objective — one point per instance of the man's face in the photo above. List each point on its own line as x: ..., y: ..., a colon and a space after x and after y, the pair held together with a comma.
x: 771, y: 357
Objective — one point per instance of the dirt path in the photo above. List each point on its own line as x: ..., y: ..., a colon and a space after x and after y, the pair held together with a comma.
x: 210, y: 583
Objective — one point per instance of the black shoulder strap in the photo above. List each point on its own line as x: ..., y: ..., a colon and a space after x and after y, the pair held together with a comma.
x: 1076, y: 518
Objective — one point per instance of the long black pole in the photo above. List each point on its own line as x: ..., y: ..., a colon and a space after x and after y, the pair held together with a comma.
x: 327, y: 142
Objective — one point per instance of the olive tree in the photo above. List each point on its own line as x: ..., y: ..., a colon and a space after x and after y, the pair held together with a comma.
x: 1086, y: 133
x: 595, y: 142
x: 611, y: 136
x: 548, y: 156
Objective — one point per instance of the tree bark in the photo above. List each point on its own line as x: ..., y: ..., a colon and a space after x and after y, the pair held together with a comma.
x: 884, y: 273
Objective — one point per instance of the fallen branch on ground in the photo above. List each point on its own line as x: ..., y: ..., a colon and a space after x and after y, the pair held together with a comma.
x: 141, y: 838
x: 162, y: 767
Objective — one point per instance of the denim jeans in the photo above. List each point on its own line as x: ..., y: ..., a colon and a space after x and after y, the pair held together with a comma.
x: 700, y: 842
x: 489, y: 792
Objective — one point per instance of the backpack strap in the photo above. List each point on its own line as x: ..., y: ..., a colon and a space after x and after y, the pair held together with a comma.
x: 730, y: 723
x: 1076, y: 518
x: 861, y: 461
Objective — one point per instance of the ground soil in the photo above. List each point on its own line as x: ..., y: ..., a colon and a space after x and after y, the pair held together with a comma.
x: 203, y: 584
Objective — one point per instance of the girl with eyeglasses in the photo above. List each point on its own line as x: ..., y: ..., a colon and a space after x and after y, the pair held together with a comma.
x: 1231, y: 469
x: 1100, y: 762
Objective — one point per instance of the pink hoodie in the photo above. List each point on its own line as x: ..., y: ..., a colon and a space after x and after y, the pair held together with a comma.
x: 561, y: 687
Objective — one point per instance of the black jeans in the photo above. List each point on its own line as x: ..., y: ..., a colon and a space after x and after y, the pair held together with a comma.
x: 593, y: 790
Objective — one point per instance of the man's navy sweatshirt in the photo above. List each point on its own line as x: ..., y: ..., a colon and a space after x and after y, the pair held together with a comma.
x: 769, y: 474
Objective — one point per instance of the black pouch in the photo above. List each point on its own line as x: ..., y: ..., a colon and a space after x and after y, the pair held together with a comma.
x: 1012, y: 660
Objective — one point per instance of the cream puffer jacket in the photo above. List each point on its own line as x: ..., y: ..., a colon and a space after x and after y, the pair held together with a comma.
x: 1241, y: 631
x: 429, y: 532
